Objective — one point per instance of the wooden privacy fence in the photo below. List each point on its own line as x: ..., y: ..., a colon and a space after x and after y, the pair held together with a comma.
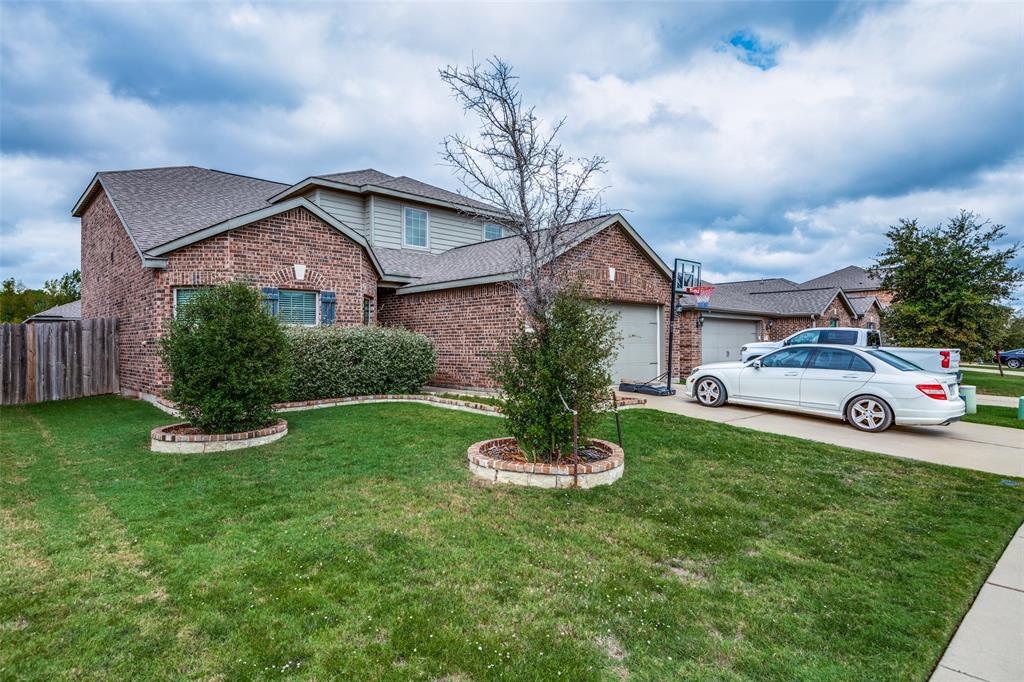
x: 57, y: 360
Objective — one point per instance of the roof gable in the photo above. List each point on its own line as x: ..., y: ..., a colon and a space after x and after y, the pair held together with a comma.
x: 160, y: 205
x: 267, y: 212
x: 370, y: 181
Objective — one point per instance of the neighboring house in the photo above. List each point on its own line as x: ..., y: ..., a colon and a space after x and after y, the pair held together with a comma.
x: 856, y: 282
x: 772, y: 309
x: 67, y: 312
x: 360, y: 247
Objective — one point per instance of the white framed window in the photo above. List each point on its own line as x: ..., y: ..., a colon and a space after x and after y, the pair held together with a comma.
x: 183, y: 295
x: 493, y: 231
x: 297, y: 307
x: 415, y: 228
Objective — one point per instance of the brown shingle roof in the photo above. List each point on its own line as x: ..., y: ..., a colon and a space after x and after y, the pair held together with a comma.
x: 159, y: 205
x: 850, y: 278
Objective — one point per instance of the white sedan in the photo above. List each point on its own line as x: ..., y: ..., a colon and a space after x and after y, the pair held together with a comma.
x: 869, y: 388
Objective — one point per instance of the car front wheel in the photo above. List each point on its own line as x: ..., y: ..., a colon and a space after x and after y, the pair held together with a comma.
x: 1013, y: 363
x: 868, y: 413
x: 710, y: 392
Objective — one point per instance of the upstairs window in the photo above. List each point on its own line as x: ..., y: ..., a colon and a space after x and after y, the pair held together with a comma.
x: 493, y: 231
x: 416, y: 224
x: 297, y: 307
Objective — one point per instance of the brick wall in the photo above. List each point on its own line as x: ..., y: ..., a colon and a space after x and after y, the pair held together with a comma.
x: 114, y: 284
x: 467, y: 325
x: 262, y: 254
x: 884, y: 296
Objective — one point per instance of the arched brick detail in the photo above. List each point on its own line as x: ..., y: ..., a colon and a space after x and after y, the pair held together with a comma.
x: 285, y: 278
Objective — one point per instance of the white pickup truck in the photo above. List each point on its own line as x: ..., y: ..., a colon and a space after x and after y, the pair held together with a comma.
x: 941, y: 360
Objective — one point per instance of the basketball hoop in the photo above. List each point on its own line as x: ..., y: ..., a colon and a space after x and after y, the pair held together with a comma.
x: 702, y: 294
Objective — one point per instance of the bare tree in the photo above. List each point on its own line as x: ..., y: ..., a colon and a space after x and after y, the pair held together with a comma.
x: 515, y: 164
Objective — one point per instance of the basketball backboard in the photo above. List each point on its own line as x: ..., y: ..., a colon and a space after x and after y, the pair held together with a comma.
x: 687, y: 275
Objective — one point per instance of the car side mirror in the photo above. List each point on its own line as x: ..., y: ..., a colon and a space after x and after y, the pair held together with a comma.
x: 756, y: 364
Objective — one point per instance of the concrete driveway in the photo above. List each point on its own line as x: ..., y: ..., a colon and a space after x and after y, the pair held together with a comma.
x: 994, y: 449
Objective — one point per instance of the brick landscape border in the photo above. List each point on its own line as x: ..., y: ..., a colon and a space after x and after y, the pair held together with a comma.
x: 539, y: 475
x: 389, y: 398
x: 163, y: 439
x: 451, y: 403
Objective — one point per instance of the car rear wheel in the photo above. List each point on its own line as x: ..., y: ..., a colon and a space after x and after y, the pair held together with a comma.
x: 710, y: 392
x: 1013, y: 363
x: 868, y: 413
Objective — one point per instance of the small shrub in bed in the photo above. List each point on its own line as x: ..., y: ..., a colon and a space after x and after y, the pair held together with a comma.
x: 565, y: 360
x: 336, y: 362
x: 228, y: 359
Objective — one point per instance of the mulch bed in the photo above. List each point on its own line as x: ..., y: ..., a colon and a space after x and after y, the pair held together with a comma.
x: 510, y: 452
x: 189, y: 430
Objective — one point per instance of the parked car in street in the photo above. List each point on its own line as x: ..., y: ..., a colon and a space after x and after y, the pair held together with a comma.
x: 1014, y: 359
x: 942, y: 360
x: 870, y: 388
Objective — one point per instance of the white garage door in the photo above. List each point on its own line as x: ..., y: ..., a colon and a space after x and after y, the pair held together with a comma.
x: 639, y: 327
x: 721, y: 339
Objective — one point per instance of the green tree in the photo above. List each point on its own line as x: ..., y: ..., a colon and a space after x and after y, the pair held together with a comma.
x: 17, y: 302
x: 228, y: 359
x: 1013, y: 336
x: 562, y: 363
x: 64, y: 289
x: 949, y: 283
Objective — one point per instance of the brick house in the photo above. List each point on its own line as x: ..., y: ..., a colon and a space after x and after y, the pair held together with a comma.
x: 360, y: 247
x: 772, y: 309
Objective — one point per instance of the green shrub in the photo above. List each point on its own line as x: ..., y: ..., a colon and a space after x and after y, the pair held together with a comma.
x: 565, y: 361
x: 334, y: 362
x: 228, y: 360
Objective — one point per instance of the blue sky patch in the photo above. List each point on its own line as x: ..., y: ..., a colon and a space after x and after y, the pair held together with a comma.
x: 750, y: 49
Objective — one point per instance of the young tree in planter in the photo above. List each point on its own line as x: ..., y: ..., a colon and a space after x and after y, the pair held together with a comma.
x: 228, y: 359
x: 560, y: 358
x: 564, y: 363
x: 948, y: 283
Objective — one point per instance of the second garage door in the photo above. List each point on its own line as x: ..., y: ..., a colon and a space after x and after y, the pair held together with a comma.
x: 722, y: 338
x: 639, y: 327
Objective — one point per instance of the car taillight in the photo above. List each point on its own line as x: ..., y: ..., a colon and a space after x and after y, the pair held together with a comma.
x: 932, y: 391
x: 945, y: 359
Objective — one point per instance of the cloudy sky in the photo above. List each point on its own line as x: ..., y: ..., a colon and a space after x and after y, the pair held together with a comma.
x: 763, y: 139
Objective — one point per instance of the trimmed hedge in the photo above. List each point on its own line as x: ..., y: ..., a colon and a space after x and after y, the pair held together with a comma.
x: 336, y: 361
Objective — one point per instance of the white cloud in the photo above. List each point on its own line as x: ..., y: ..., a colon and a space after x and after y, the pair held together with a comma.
x: 914, y: 84
x: 761, y: 172
x: 818, y: 239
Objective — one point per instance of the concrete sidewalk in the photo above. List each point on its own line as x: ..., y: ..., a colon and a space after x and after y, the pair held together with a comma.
x: 998, y: 400
x: 993, y: 449
x: 989, y: 644
x: 992, y: 370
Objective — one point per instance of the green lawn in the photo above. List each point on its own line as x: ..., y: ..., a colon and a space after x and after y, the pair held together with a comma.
x: 993, y: 384
x: 359, y: 548
x: 996, y: 416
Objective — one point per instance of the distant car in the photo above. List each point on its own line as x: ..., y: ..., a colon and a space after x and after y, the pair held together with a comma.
x: 1014, y: 359
x: 942, y: 360
x: 870, y: 388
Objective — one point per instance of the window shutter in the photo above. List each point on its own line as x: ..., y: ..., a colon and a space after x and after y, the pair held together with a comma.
x: 327, y: 300
x: 271, y: 297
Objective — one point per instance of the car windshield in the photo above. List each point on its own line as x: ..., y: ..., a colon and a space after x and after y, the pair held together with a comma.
x: 896, y: 361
